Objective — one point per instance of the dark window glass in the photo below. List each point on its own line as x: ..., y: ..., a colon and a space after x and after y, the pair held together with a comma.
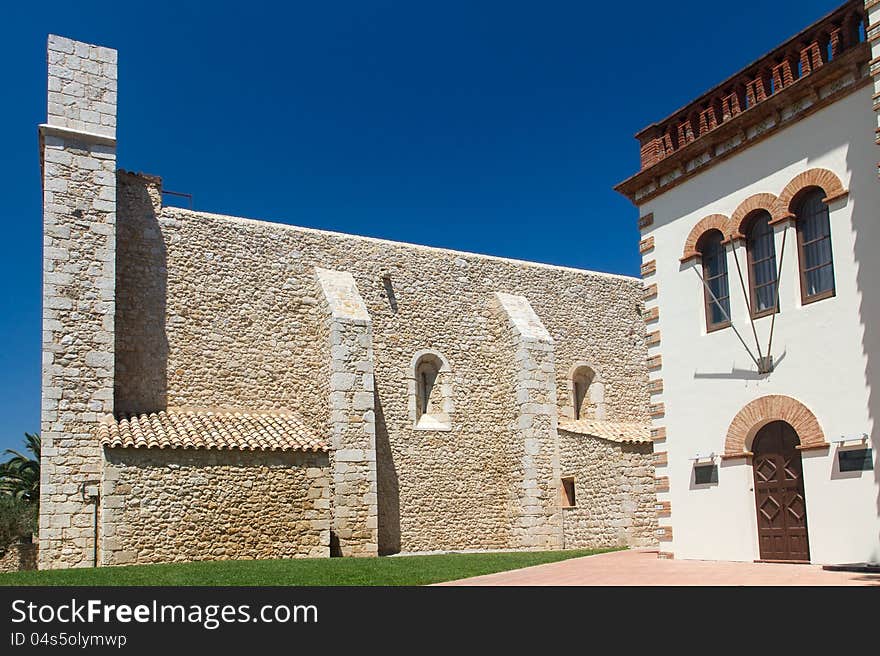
x: 714, y: 261
x: 762, y: 264
x: 705, y: 474
x: 814, y: 241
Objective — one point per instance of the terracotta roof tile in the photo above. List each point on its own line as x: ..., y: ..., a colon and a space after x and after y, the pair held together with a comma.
x: 615, y: 431
x: 209, y: 429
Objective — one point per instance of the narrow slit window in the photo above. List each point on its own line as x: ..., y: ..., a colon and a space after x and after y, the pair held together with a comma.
x: 428, y: 403
x: 580, y: 393
x: 568, y: 495
x: 430, y: 392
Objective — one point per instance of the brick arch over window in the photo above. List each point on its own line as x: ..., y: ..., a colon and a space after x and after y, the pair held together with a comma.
x: 760, y: 412
x: 712, y: 222
x: 763, y: 201
x: 826, y: 180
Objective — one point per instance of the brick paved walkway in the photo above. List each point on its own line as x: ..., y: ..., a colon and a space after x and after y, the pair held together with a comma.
x: 644, y: 568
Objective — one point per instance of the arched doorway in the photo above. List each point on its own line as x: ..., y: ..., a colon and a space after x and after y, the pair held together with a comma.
x: 779, y: 494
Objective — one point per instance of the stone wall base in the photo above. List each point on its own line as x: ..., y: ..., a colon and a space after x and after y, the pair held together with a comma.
x: 19, y: 557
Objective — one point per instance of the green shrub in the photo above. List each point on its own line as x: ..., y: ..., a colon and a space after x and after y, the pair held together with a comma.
x: 17, y: 519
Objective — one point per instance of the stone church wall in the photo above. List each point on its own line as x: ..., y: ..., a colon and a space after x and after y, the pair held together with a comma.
x: 225, y: 311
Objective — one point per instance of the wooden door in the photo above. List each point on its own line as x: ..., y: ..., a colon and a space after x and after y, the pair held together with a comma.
x: 779, y: 494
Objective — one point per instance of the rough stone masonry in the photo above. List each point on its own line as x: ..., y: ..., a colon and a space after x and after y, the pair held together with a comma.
x: 218, y: 387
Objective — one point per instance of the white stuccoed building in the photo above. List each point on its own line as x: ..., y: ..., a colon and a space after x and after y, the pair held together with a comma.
x: 766, y: 450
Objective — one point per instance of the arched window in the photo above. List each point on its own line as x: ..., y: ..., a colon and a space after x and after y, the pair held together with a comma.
x: 716, y: 290
x: 761, y: 248
x: 430, y: 391
x: 587, y: 394
x: 581, y: 387
x: 426, y: 379
x: 814, y: 248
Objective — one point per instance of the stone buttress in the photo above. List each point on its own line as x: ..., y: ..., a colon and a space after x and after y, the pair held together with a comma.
x: 348, y: 333
x: 536, y: 521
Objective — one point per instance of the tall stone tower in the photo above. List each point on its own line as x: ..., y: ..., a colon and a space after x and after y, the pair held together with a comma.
x: 78, y: 157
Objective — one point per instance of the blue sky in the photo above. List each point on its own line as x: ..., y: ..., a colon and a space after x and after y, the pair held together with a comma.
x: 495, y: 127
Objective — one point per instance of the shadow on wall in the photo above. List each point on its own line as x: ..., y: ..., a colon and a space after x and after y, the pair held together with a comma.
x: 387, y: 485
x: 141, y: 342
x: 867, y: 235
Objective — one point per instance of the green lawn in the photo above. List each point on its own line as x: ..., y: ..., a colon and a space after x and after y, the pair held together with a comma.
x: 399, y: 570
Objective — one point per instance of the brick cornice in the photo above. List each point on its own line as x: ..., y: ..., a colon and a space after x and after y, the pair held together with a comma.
x: 716, y: 143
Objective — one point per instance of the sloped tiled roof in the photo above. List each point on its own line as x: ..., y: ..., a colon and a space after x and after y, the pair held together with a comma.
x: 615, y: 431
x: 210, y: 429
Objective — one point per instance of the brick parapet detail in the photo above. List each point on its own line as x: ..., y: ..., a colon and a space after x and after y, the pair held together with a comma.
x: 807, y: 72
x: 766, y: 77
x: 872, y: 34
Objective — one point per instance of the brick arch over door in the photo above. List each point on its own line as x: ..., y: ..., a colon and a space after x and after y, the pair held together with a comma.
x: 712, y: 222
x: 762, y: 201
x: 826, y: 180
x: 760, y: 412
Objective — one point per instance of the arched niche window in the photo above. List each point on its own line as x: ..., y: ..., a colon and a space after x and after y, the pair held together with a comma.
x: 814, y: 247
x: 587, y: 393
x: 430, y: 391
x: 716, y: 290
x: 761, y: 249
